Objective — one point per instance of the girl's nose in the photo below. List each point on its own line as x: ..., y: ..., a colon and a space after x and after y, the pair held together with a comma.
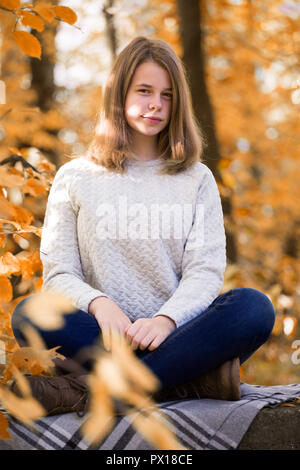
x: 155, y: 102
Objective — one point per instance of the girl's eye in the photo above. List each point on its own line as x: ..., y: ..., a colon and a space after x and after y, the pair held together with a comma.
x: 168, y: 95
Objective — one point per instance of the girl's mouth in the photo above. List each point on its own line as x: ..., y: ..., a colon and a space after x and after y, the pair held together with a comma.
x: 153, y: 120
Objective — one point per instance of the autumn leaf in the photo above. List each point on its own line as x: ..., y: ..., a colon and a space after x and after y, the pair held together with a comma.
x: 4, y: 425
x: 110, y: 379
x: 33, y: 360
x: 34, y: 187
x: 138, y: 373
x: 9, y: 264
x: 10, y: 179
x: 16, y: 151
x: 10, y: 4
x: 25, y: 409
x: 28, y: 43
x: 45, y: 10
x: 29, y: 263
x: 6, y: 291
x: 242, y: 212
x: 32, y: 20
x: 224, y: 163
x: 156, y: 431
x: 101, y: 414
x: 7, y: 209
x: 66, y: 14
x: 47, y: 309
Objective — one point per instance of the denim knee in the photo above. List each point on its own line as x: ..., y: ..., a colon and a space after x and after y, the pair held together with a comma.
x: 261, y: 310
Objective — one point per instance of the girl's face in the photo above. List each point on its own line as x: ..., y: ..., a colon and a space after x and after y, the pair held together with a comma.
x: 149, y: 99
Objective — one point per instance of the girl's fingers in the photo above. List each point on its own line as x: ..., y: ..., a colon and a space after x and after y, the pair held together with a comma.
x: 136, y: 339
x: 156, y: 342
x: 146, y: 341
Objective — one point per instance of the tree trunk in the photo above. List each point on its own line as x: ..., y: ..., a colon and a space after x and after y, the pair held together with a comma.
x: 42, y: 75
x: 111, y: 34
x: 193, y: 58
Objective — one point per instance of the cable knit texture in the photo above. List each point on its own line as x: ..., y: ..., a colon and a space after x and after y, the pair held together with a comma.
x: 153, y: 243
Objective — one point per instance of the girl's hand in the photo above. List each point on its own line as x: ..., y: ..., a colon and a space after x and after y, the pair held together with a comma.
x: 149, y: 332
x: 110, y: 318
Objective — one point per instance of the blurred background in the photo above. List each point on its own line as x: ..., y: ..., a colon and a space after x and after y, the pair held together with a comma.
x: 242, y: 62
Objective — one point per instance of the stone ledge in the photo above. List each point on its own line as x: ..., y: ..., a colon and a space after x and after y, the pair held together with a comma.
x: 274, y: 429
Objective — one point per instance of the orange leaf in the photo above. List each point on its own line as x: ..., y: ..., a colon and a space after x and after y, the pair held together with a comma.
x: 23, y: 216
x: 4, y: 434
x: 6, y: 291
x: 45, y: 10
x: 10, y: 4
x: 7, y: 209
x: 28, y: 43
x: 29, y: 263
x: 34, y: 187
x: 9, y: 179
x: 66, y: 14
x: 32, y: 20
x: 9, y: 264
x: 16, y: 151
x: 224, y: 163
x: 242, y: 212
x: 46, y: 166
x: 2, y: 240
x: 24, y: 409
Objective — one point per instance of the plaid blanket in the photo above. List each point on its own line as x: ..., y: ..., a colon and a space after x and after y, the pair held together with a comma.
x: 203, y: 424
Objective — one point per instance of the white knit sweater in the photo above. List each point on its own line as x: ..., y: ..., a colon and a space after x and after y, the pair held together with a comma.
x: 153, y: 243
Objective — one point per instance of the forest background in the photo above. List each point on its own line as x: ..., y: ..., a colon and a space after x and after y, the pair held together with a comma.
x: 242, y: 60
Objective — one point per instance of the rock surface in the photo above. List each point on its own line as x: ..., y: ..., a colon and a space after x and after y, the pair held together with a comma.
x: 274, y: 429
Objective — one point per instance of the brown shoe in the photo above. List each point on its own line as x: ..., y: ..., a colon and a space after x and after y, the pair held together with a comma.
x: 222, y: 383
x: 63, y: 394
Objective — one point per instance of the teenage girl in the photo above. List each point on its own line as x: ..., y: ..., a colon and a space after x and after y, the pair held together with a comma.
x: 134, y: 234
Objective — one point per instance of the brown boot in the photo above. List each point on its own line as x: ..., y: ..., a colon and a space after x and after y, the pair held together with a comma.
x: 62, y: 394
x: 222, y: 383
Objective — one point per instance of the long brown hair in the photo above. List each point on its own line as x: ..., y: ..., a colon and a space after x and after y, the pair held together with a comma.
x: 180, y: 143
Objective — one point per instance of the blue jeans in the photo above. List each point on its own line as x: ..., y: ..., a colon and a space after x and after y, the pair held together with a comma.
x: 236, y: 324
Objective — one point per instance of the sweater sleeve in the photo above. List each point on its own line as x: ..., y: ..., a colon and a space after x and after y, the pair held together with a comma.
x: 59, y: 250
x: 204, y: 258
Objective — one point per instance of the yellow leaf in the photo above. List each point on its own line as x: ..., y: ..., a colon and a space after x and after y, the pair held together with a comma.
x: 24, y: 409
x: 28, y: 43
x: 228, y: 179
x: 10, y: 4
x: 53, y: 305
x: 35, y: 360
x: 32, y: 20
x: 101, y: 417
x: 66, y: 14
x: 156, y: 432
x: 136, y: 371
